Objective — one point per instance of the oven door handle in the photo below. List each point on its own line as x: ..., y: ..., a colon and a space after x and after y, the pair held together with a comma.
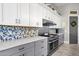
x: 53, y: 41
x: 50, y: 42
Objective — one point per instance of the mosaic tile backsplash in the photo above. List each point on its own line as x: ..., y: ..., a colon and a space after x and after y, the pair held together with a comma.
x: 13, y: 32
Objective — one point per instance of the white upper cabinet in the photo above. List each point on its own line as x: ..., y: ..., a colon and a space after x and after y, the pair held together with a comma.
x: 57, y: 20
x: 24, y: 14
x: 0, y: 13
x: 46, y: 14
x: 9, y: 13
x: 51, y: 16
x: 35, y: 15
x: 16, y: 14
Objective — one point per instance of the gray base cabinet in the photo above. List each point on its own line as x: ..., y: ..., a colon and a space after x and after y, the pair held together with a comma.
x: 41, y: 47
x: 61, y: 39
x: 28, y: 52
x: 37, y: 48
x: 21, y: 50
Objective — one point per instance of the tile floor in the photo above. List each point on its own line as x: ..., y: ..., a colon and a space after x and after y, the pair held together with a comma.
x: 67, y: 50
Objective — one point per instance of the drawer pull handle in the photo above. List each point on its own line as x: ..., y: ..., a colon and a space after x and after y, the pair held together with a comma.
x: 42, y: 47
x: 21, y: 48
x: 21, y: 55
x: 42, y: 55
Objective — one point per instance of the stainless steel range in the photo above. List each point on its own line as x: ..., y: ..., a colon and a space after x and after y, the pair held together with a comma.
x: 53, y: 40
x: 52, y: 43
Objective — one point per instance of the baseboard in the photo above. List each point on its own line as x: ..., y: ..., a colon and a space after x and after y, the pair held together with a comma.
x: 66, y: 42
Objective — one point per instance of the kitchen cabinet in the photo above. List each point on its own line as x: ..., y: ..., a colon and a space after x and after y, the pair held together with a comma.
x: 41, y: 48
x: 57, y: 20
x: 51, y: 16
x: 35, y: 15
x: 46, y: 13
x: 26, y: 52
x: 61, y: 39
x: 36, y: 48
x: 30, y: 52
x: 16, y: 14
x: 9, y: 13
x: 0, y: 14
x: 26, y: 49
x: 23, y: 14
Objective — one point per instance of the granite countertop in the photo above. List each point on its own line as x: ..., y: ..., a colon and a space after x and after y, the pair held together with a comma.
x: 14, y: 43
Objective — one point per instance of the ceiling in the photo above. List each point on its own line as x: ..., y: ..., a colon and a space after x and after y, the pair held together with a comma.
x: 60, y: 6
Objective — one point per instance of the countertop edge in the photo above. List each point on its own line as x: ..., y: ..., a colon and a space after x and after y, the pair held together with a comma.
x: 15, y: 43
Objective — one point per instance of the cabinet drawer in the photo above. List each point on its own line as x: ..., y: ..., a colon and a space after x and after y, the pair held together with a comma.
x: 38, y: 53
x: 16, y: 49
x: 42, y: 52
x: 29, y: 45
x: 9, y: 51
x: 19, y: 54
x: 41, y: 47
x: 42, y: 42
x: 27, y: 52
x: 37, y: 48
x: 30, y: 52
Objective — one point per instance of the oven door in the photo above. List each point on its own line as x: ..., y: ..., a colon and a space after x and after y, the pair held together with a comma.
x: 55, y: 44
x: 51, y: 46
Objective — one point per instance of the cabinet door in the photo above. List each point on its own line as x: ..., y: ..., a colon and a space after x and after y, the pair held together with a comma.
x: 52, y: 17
x: 24, y: 20
x: 35, y: 15
x: 40, y: 8
x: 9, y: 13
x: 61, y: 39
x: 29, y: 52
x: 48, y: 14
x: 41, y: 47
x: 58, y: 21
x: 44, y: 13
x: 0, y: 13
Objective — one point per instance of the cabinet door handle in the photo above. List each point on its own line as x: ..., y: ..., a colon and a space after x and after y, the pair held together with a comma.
x: 21, y: 48
x: 42, y: 47
x: 42, y: 54
x: 17, y: 20
x: 21, y: 55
